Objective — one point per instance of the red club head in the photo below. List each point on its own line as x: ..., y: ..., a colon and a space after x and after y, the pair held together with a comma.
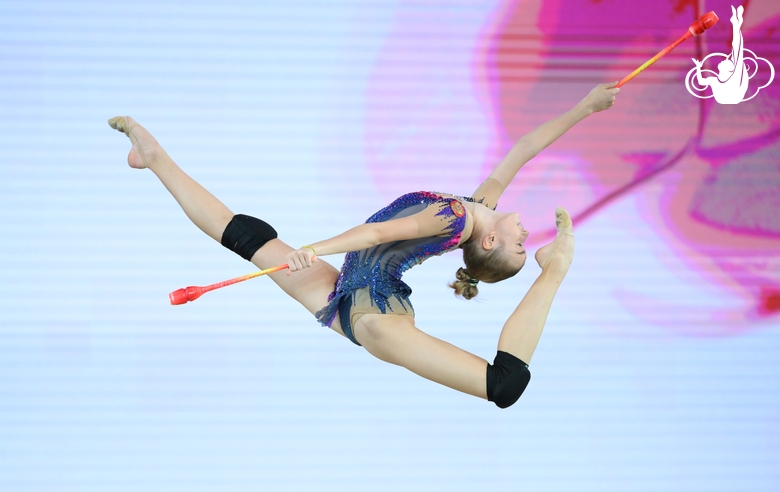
x: 703, y: 23
x: 183, y: 296
x: 178, y: 297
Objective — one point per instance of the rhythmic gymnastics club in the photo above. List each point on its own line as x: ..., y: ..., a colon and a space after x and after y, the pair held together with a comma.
x: 702, y: 24
x: 183, y: 296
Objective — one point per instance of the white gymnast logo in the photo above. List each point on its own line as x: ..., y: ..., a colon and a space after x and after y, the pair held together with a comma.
x: 730, y: 84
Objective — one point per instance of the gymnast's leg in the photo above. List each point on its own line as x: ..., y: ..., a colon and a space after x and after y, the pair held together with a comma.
x: 395, y: 339
x: 523, y: 329
x: 310, y: 287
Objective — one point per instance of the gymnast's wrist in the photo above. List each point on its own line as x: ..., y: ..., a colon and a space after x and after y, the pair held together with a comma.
x: 309, y: 247
x: 583, y: 109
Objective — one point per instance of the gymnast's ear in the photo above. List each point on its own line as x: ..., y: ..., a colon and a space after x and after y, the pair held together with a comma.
x: 489, y: 241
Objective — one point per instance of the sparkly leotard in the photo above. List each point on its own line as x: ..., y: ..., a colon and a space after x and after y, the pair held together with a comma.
x: 370, y: 279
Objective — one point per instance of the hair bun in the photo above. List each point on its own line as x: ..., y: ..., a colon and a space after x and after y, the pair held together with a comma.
x: 465, y: 286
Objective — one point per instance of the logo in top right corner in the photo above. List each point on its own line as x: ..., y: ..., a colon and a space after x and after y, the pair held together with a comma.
x: 730, y: 84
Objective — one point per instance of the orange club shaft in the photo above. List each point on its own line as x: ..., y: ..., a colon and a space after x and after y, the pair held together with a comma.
x: 188, y: 294
x: 702, y: 24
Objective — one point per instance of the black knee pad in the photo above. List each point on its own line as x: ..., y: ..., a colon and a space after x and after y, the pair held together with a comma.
x: 244, y: 235
x: 507, y: 378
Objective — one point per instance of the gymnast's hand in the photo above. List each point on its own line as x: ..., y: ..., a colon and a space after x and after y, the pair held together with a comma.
x: 601, y: 97
x: 300, y: 259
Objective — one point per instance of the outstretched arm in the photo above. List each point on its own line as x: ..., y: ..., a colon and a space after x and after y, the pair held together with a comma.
x: 599, y: 99
x: 423, y: 224
x: 360, y: 237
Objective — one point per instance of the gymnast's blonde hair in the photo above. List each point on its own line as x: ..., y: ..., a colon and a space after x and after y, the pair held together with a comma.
x: 481, y: 266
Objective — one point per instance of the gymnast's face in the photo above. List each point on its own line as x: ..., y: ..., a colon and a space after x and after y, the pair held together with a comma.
x: 511, y: 235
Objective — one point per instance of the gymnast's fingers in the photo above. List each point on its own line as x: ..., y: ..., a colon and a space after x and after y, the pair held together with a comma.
x: 293, y: 261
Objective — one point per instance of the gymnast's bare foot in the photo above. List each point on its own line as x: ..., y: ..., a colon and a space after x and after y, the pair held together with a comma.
x: 145, y: 149
x: 557, y: 255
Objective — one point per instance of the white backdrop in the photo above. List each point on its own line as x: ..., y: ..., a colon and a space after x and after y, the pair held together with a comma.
x: 105, y: 386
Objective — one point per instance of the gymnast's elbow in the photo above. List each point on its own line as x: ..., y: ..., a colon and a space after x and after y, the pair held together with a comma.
x: 374, y: 234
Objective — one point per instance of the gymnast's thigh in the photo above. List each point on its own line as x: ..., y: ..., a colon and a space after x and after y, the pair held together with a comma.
x: 396, y: 339
x: 310, y: 287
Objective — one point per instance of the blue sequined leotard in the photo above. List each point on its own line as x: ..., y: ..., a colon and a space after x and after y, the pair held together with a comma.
x: 370, y: 279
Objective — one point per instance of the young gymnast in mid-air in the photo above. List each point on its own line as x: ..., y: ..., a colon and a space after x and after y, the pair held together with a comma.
x: 366, y: 301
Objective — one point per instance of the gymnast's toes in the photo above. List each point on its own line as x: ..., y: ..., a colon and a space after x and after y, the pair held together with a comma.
x: 118, y: 123
x: 563, y: 221
x: 557, y: 256
x: 145, y: 149
x: 124, y: 124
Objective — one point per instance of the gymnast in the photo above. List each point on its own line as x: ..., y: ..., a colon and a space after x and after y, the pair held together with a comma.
x: 366, y: 301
